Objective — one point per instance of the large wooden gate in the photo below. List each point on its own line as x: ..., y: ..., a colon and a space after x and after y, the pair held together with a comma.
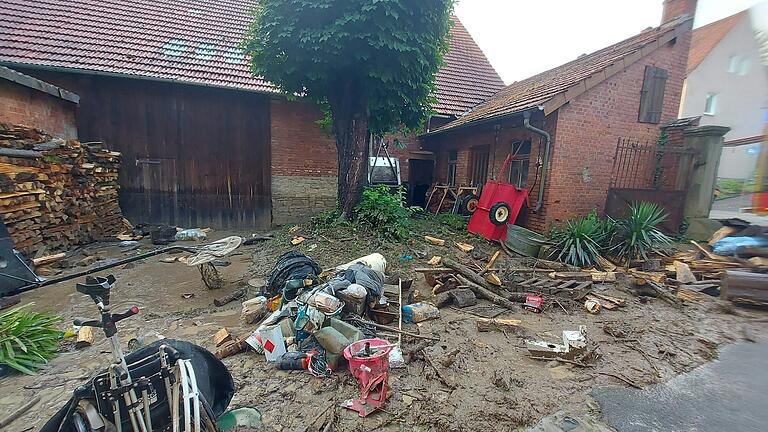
x: 192, y: 156
x: 654, y: 172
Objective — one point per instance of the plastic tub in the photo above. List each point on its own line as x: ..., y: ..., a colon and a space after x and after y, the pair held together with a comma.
x: 524, y: 241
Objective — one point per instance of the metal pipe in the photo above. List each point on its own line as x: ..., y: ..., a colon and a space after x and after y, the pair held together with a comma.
x: 33, y: 284
x: 548, y: 144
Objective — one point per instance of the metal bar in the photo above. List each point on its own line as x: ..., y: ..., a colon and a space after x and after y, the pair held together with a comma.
x: 107, y: 266
x: 615, y: 159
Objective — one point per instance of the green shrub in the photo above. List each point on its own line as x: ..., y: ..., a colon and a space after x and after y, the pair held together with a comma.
x: 28, y: 339
x: 382, y: 212
x: 582, y: 241
x: 328, y: 219
x: 453, y: 221
x: 637, y: 235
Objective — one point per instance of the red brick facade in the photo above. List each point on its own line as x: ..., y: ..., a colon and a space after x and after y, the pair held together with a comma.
x: 589, y: 127
x: 27, y: 106
x: 299, y: 146
x: 584, y: 134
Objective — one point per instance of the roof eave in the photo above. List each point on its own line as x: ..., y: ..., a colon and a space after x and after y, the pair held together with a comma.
x: 36, y: 66
x: 581, y: 86
x: 480, y: 122
x: 39, y: 85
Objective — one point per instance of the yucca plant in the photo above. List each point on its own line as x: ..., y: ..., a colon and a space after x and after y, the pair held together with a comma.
x: 637, y: 235
x: 28, y: 339
x: 581, y: 241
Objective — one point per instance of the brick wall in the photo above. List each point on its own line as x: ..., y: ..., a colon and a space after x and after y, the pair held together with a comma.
x: 304, y: 165
x: 30, y: 107
x: 500, y: 142
x: 589, y: 127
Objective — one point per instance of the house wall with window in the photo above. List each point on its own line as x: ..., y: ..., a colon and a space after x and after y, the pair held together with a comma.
x: 730, y: 88
x: 633, y: 103
x: 588, y: 130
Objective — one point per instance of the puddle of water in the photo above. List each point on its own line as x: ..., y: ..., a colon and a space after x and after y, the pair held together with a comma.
x: 727, y: 394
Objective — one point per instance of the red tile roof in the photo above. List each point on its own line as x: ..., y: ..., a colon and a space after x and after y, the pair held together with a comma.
x: 467, y: 78
x: 706, y: 38
x: 192, y: 41
x: 551, y: 89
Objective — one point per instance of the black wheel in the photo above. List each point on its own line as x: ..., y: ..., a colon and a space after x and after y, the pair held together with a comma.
x: 499, y: 213
x: 468, y: 205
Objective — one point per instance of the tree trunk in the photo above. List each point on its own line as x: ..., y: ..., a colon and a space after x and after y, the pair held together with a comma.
x: 349, y: 107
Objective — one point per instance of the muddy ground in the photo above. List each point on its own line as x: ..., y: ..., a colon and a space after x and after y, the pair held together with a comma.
x: 496, y: 385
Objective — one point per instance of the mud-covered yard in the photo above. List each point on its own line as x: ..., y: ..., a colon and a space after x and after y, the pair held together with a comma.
x: 488, y: 383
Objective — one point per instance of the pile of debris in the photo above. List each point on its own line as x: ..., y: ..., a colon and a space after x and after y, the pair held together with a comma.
x: 55, y: 193
x: 322, y: 321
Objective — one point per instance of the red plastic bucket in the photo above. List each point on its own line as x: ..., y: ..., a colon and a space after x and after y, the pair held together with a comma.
x: 365, y: 368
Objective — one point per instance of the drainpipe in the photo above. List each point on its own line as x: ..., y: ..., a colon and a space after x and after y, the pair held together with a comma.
x: 548, y: 143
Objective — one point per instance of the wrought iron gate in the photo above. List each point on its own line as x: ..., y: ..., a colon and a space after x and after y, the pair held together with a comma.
x: 655, y: 172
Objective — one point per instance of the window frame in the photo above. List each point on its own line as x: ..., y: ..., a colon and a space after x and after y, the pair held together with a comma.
x: 734, y: 63
x: 710, y: 104
x: 522, y: 161
x: 453, y: 161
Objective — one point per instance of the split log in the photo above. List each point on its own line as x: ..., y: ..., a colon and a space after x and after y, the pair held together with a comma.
x: 471, y: 275
x: 465, y: 247
x: 434, y: 240
x: 683, y: 273
x: 443, y: 299
x: 48, y: 259
x: 463, y: 297
x: 615, y: 300
x: 84, y: 337
x: 434, y: 261
x: 221, y: 337
x: 231, y: 349
x: 664, y: 294
x: 493, y: 279
x: 604, y: 276
x: 745, y: 286
x: 578, y: 276
x: 491, y: 324
x: 229, y: 297
x: 489, y: 295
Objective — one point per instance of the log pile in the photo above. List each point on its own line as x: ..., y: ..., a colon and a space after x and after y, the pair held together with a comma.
x: 55, y: 194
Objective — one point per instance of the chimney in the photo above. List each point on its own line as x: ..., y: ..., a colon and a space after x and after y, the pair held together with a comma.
x: 677, y: 8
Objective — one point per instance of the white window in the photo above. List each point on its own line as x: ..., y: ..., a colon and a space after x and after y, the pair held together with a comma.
x: 744, y: 67
x: 733, y: 64
x: 710, y: 107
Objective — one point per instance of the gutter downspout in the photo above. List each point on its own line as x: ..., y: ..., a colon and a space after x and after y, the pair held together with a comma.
x: 548, y: 143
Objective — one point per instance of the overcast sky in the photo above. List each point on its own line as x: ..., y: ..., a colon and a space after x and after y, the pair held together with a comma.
x: 524, y: 37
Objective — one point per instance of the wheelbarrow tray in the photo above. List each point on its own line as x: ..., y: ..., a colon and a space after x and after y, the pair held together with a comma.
x: 494, y: 192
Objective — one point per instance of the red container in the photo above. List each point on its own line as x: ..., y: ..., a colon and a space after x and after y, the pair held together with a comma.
x: 365, y: 369
x: 500, y: 203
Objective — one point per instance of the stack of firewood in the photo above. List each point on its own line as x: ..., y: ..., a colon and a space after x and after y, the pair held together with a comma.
x: 55, y: 193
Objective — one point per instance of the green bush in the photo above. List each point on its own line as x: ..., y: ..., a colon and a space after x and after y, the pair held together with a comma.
x: 28, y: 339
x: 454, y: 221
x: 637, y: 235
x: 328, y: 219
x: 382, y: 212
x: 582, y: 241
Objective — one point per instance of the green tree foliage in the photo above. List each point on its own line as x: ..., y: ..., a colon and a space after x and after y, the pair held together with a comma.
x: 370, y: 63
